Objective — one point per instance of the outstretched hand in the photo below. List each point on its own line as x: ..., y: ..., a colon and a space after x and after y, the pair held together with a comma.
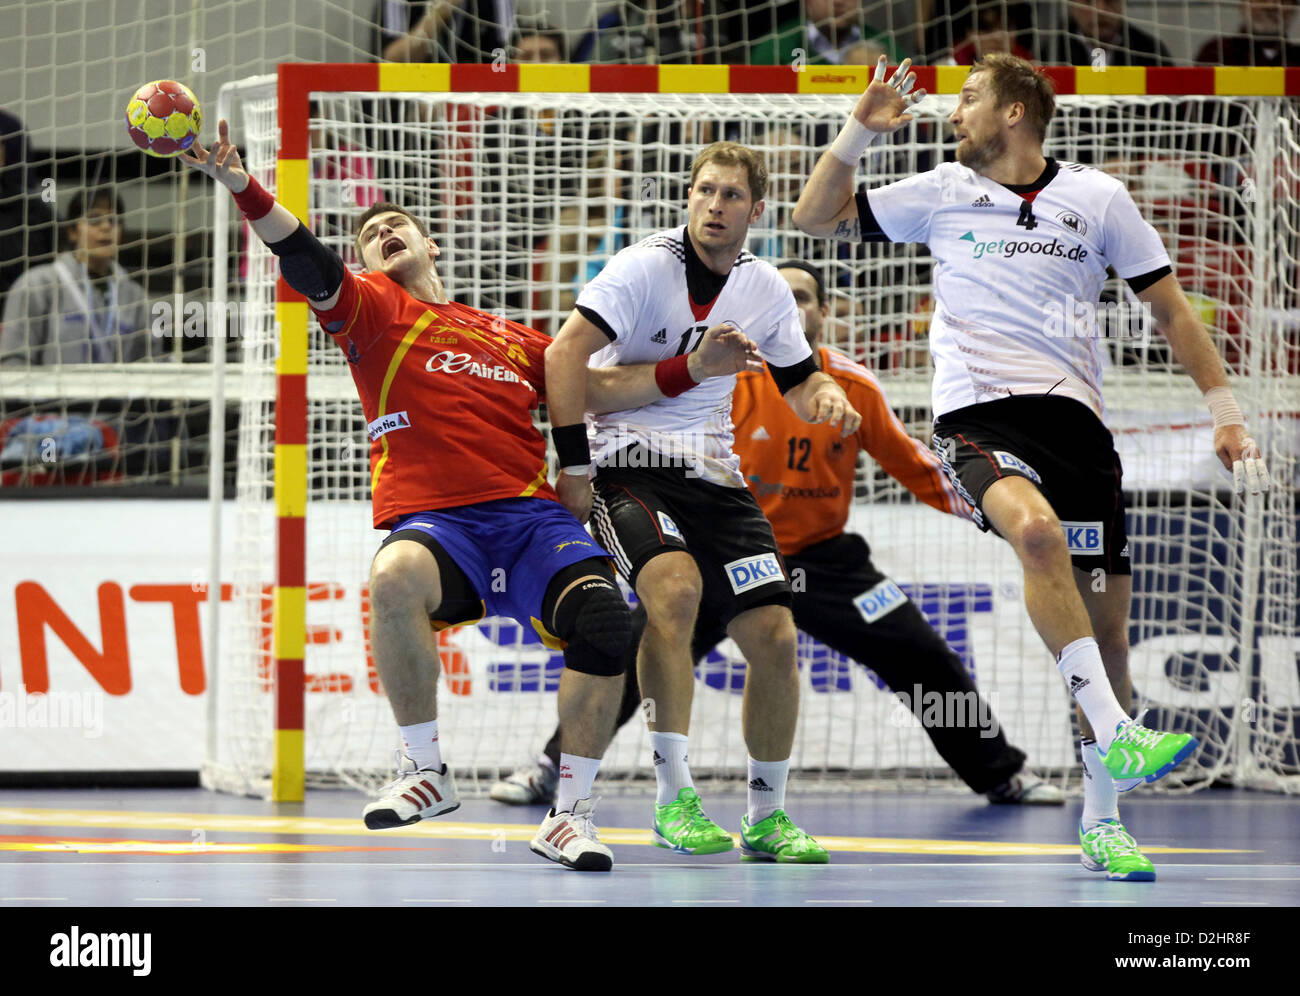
x: 221, y: 162
x: 883, y: 105
x: 723, y: 350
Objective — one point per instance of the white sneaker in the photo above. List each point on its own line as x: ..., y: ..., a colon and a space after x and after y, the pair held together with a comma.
x: 527, y: 786
x: 411, y: 797
x: 570, y: 839
x: 1024, y: 788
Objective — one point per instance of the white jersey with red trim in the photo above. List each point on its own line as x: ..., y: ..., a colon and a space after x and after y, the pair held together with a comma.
x: 642, y: 296
x: 1018, y: 276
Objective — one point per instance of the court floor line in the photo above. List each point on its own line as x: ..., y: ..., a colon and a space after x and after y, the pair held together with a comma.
x: 210, y: 823
x: 755, y: 867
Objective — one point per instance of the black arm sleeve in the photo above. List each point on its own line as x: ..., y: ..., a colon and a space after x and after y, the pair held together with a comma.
x: 307, y: 266
x: 1144, y: 280
x: 788, y: 377
x: 597, y: 321
x: 867, y: 219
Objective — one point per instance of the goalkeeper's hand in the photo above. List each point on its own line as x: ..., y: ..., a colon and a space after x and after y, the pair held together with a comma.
x: 221, y: 162
x: 1239, y: 453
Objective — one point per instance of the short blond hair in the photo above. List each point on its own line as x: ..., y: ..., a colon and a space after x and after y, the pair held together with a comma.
x: 735, y: 154
x: 1015, y: 80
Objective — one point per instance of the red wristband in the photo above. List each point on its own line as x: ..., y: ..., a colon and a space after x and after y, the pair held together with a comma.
x: 254, y: 201
x: 673, y: 376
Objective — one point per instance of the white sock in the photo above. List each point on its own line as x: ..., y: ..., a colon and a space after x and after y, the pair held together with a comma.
x: 766, y: 788
x: 1080, y: 665
x: 422, y: 745
x: 1100, y: 799
x: 671, y: 770
x: 576, y: 775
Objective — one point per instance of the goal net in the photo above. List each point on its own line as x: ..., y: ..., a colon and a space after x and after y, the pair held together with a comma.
x: 532, y: 177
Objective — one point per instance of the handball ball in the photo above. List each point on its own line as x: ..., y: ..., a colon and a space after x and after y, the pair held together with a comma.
x: 163, y: 118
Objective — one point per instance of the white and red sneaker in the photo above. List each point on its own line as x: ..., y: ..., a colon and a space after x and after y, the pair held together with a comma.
x: 411, y: 797
x: 570, y: 839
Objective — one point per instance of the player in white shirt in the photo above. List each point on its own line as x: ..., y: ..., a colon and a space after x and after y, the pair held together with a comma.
x: 670, y: 500
x: 1020, y: 241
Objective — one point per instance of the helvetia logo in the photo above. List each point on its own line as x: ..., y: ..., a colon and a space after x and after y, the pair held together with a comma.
x: 386, y: 424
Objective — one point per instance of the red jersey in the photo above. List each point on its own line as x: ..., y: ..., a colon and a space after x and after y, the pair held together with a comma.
x: 802, y: 474
x: 448, y: 392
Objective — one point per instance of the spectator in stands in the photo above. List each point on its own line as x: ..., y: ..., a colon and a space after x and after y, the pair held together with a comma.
x: 992, y: 30
x: 1260, y: 41
x: 828, y: 32
x: 82, y: 308
x: 444, y: 30
x: 27, y: 228
x: 943, y: 25
x: 538, y: 43
x: 1097, y: 33
x: 662, y: 31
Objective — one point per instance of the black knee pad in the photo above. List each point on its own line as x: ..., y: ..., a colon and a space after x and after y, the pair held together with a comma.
x: 595, y: 622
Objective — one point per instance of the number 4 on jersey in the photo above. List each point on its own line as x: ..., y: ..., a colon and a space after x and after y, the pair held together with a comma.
x: 1026, y: 219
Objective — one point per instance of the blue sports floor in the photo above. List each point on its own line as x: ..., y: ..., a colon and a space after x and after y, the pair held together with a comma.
x: 192, y: 848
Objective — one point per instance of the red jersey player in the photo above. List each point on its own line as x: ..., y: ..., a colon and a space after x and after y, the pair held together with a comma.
x: 458, y: 476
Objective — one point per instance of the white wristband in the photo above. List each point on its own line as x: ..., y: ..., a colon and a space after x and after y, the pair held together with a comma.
x: 1223, y: 406
x: 577, y: 470
x: 851, y: 143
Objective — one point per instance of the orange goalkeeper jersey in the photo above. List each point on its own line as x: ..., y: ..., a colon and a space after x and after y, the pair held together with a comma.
x: 802, y: 474
x: 447, y: 392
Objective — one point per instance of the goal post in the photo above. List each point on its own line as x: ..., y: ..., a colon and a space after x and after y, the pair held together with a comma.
x: 531, y: 175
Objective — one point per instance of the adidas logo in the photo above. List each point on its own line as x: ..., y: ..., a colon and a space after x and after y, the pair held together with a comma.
x: 1078, y: 684
x: 660, y: 337
x: 760, y: 433
x: 984, y: 201
x: 659, y: 759
x: 758, y: 785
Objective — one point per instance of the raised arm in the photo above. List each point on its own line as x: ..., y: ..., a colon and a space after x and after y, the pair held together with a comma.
x: 1193, y: 348
x: 827, y: 206
x: 306, y: 265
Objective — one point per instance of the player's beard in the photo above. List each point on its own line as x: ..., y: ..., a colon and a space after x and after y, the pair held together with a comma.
x: 979, y: 157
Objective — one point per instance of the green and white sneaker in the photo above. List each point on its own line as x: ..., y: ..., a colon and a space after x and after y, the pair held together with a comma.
x: 778, y: 839
x: 683, y: 826
x: 1137, y: 752
x: 1110, y: 848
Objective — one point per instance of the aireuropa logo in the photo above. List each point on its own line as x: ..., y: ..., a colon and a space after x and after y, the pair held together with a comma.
x: 879, y: 601
x: 385, y: 424
x: 1084, y: 537
x: 751, y: 572
x: 446, y: 361
x: 1010, y: 248
x: 99, y: 950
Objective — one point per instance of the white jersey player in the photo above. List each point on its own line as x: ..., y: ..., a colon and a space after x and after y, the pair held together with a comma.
x: 670, y: 503
x: 1021, y: 244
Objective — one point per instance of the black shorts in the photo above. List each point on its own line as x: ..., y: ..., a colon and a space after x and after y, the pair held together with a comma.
x: 1059, y: 445
x: 640, y: 513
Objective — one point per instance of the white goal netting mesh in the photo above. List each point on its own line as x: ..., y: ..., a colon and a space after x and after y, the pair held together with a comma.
x: 528, y: 194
